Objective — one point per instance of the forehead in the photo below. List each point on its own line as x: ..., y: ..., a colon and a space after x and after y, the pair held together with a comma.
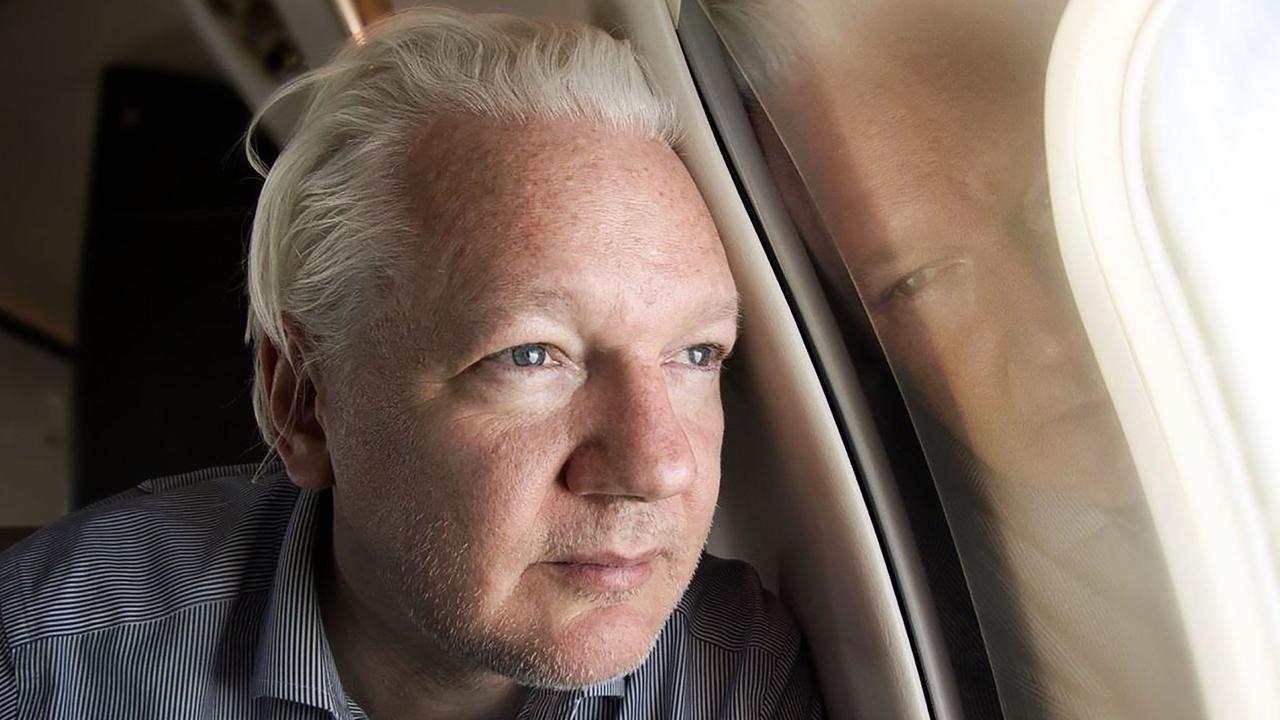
x: 904, y: 141
x: 536, y: 207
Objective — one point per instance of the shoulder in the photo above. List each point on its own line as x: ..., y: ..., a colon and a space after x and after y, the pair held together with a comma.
x: 739, y: 646
x: 168, y: 544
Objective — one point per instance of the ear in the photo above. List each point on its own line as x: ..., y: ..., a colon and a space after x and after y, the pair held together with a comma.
x: 292, y: 406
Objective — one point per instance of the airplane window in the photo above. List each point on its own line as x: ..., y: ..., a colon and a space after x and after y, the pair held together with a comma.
x: 907, y: 138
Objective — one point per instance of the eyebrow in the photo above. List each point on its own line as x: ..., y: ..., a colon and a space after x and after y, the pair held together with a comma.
x: 483, y: 310
x: 494, y: 302
x: 480, y: 311
x: 727, y: 310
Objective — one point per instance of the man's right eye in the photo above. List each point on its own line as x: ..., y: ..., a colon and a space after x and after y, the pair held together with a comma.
x: 528, y: 355
x: 531, y: 355
x: 914, y: 282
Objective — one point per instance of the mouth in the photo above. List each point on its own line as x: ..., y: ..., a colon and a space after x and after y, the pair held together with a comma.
x: 605, y: 571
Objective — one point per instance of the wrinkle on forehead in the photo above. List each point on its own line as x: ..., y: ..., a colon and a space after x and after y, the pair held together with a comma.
x: 499, y: 203
x: 467, y: 175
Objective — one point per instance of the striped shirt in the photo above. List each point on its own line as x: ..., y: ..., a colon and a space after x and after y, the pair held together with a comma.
x: 193, y: 596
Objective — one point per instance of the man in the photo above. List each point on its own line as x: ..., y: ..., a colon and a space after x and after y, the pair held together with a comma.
x: 490, y: 310
x: 908, y: 140
x: 924, y: 155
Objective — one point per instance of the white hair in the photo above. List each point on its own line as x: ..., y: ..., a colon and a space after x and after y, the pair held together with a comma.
x: 333, y: 230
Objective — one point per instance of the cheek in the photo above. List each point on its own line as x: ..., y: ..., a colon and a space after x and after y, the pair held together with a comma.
x: 943, y: 372
x: 975, y: 387
x: 703, y: 426
x: 495, y: 473
x: 707, y: 440
x: 695, y: 400
x: 930, y: 362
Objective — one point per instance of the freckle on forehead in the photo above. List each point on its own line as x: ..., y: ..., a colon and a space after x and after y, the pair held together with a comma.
x: 512, y: 186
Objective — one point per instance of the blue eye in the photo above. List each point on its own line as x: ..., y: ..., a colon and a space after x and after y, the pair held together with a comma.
x: 529, y: 355
x: 699, y: 355
x: 704, y: 357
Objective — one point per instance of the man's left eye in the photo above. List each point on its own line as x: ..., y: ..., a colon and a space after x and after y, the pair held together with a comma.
x: 703, y: 356
x: 529, y: 355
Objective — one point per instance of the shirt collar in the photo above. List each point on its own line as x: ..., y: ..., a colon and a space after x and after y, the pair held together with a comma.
x: 294, y: 661
x: 546, y: 703
x: 617, y: 687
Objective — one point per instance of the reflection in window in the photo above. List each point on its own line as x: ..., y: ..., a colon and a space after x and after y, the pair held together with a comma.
x: 908, y: 139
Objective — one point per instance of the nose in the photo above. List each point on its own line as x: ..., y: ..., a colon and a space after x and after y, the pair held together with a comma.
x: 1044, y: 333
x: 1050, y: 364
x: 639, y: 448
x: 1046, y: 329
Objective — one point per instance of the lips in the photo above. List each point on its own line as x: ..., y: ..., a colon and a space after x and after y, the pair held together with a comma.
x: 609, y: 558
x: 605, y: 570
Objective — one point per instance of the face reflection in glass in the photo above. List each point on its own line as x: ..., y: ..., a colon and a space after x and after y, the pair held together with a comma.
x: 923, y: 154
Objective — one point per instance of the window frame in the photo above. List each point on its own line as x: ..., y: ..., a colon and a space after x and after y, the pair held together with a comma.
x: 900, y: 527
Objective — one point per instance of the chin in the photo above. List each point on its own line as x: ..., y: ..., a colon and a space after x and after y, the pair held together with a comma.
x: 587, y: 632
x: 614, y: 640
x: 599, y: 645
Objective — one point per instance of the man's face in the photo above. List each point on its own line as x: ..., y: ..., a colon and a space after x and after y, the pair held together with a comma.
x: 527, y: 452
x: 927, y: 165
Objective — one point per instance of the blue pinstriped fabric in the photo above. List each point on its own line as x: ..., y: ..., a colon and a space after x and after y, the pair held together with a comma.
x: 192, y: 597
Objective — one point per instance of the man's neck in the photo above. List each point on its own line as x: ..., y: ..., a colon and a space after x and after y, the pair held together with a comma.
x: 389, y: 675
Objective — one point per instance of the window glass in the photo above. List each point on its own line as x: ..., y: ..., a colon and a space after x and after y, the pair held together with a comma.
x: 907, y: 137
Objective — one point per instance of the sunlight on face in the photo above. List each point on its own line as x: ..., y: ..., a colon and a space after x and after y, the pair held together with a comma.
x: 529, y: 447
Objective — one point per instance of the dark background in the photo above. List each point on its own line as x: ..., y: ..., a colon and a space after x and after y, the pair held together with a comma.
x: 126, y: 205
x: 161, y: 373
